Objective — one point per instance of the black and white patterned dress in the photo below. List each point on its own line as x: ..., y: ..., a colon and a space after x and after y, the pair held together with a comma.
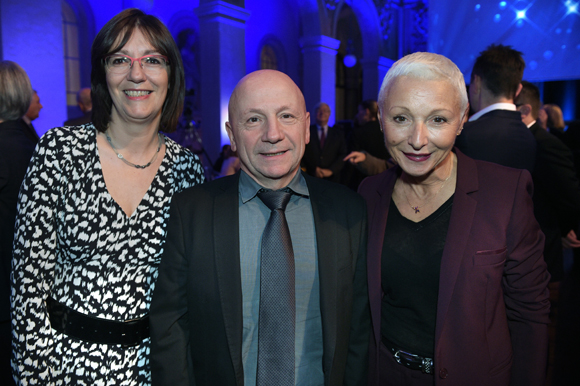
x: 75, y: 243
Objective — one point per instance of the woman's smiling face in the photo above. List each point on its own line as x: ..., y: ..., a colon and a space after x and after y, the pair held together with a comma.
x: 421, y: 119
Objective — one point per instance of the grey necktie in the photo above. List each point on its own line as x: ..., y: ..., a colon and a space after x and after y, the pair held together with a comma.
x: 277, y: 300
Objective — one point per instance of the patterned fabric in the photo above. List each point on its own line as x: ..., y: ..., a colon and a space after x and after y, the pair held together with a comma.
x: 74, y: 242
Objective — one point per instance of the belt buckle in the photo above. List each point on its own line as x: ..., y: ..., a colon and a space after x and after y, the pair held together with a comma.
x: 425, y: 364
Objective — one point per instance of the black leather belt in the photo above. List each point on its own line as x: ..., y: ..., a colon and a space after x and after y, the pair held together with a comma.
x: 411, y: 361
x: 96, y: 330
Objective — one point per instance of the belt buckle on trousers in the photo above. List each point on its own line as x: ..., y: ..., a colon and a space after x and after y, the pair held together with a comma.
x: 413, y: 361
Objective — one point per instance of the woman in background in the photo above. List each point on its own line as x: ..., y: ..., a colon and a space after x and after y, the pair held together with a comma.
x: 92, y: 216
x: 15, y: 153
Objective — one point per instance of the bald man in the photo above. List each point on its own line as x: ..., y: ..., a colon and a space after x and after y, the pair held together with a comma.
x: 85, y: 104
x: 205, y: 312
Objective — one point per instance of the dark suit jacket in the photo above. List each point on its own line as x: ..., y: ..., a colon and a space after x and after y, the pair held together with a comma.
x: 501, y: 137
x: 15, y: 153
x: 556, y: 195
x: 329, y: 157
x: 86, y: 118
x: 196, y: 313
x: 492, y: 311
x: 370, y: 138
x: 29, y: 131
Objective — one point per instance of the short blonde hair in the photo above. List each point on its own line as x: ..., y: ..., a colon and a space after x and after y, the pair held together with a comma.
x: 429, y: 66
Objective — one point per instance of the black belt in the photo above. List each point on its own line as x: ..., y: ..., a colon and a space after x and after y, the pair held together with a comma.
x: 96, y: 330
x: 411, y: 361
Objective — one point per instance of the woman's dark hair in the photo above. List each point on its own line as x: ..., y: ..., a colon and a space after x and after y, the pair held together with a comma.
x: 112, y: 38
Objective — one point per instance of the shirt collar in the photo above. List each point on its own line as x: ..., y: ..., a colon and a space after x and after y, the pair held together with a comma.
x: 495, y: 106
x: 248, y: 188
x: 531, y: 124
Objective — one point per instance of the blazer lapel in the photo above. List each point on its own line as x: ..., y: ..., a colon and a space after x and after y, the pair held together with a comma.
x: 227, y: 260
x: 462, y: 214
x: 378, y: 214
x: 327, y: 269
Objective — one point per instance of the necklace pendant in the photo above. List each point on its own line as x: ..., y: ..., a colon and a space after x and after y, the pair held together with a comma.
x: 120, y: 156
x: 416, y: 209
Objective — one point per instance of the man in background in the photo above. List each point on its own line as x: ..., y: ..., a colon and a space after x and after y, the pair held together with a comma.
x: 323, y: 155
x: 85, y: 104
x: 31, y: 115
x: 496, y: 133
x: 556, y: 187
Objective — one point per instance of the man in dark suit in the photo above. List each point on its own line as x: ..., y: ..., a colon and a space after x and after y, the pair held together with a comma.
x: 556, y: 188
x: 85, y: 104
x: 495, y: 133
x: 206, y: 314
x: 323, y: 155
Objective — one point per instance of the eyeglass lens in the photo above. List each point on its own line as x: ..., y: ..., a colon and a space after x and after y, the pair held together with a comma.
x: 149, y: 63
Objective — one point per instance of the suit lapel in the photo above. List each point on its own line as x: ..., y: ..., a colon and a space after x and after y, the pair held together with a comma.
x: 327, y: 270
x: 227, y: 260
x: 378, y: 222
x: 462, y: 215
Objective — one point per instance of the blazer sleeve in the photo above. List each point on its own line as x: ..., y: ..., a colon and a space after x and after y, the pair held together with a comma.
x: 372, y: 165
x: 525, y: 286
x: 170, y: 354
x: 357, y: 358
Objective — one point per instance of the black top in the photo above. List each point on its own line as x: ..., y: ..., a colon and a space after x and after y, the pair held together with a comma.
x: 410, y: 266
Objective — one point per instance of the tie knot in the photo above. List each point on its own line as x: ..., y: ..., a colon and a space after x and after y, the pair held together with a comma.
x: 275, y: 199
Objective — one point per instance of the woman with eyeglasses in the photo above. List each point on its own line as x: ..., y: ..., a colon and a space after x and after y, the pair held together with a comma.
x: 92, y: 216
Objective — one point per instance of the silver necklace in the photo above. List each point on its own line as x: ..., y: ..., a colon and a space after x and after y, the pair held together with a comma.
x: 120, y: 156
x: 416, y: 207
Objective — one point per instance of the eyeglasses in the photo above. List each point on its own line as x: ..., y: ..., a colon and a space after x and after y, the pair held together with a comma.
x: 121, y: 64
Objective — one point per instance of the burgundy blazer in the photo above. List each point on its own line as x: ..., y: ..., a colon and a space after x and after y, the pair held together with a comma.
x: 493, y: 305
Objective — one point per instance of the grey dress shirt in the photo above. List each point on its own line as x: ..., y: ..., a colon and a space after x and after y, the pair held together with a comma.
x: 253, y: 216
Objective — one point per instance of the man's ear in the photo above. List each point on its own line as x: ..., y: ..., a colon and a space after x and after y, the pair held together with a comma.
x: 307, y: 131
x: 525, y: 110
x: 231, y: 135
x: 475, y: 83
x: 518, y: 91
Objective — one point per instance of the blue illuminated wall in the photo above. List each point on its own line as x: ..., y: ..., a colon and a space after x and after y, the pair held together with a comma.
x: 546, y: 31
x: 32, y: 37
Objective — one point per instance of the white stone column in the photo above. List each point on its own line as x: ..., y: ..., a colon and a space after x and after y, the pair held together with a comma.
x: 31, y: 34
x: 319, y: 54
x: 222, y: 28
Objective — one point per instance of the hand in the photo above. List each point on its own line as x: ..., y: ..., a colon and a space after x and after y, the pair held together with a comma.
x: 323, y: 173
x: 355, y: 157
x: 570, y: 241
